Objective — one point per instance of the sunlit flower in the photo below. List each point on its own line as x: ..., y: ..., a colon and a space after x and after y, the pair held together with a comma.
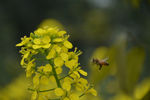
x: 46, y: 58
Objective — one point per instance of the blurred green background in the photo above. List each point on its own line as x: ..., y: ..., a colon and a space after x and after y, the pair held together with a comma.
x: 118, y: 29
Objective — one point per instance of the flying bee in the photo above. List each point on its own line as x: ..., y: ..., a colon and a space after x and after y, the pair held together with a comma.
x: 100, y: 62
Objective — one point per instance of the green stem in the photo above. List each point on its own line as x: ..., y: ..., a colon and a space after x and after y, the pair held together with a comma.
x: 65, y: 76
x: 55, y: 75
x: 42, y: 90
x: 81, y: 95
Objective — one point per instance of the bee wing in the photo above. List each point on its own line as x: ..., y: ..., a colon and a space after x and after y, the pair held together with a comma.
x: 106, y: 59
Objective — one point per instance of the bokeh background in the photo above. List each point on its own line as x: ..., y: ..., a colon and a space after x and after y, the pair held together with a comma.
x: 118, y: 29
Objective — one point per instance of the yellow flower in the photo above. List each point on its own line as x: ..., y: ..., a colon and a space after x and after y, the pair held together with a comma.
x: 40, y: 31
x: 24, y: 41
x: 68, y: 44
x: 29, y: 70
x: 74, y: 97
x: 44, y: 80
x: 70, y: 64
x: 44, y: 54
x: 51, y: 54
x: 61, y: 33
x: 66, y: 98
x: 64, y: 56
x: 58, y: 40
x: 57, y: 48
x: 92, y: 91
x: 83, y: 72
x: 37, y: 41
x: 24, y: 57
x: 66, y: 85
x: 47, y: 68
x: 52, y: 78
x: 58, y: 61
x: 34, y: 95
x: 59, y: 70
x: 45, y: 40
x: 59, y: 92
x: 36, y: 80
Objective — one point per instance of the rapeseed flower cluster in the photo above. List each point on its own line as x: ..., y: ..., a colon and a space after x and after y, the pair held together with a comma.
x: 46, y: 58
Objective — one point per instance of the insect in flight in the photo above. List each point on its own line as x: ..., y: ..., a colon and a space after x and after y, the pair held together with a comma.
x: 100, y: 62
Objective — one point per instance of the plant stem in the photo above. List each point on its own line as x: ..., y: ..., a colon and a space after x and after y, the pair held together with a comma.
x: 81, y: 95
x: 55, y: 75
x: 42, y: 90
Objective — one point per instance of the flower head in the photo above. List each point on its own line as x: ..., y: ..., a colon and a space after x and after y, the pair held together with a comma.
x: 45, y: 56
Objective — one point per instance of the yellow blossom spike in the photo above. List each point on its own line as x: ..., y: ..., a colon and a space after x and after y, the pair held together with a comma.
x: 83, y: 72
x: 59, y: 92
x: 58, y: 61
x: 68, y: 44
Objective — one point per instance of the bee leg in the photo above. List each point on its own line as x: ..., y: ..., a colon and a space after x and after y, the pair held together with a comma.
x: 100, y: 67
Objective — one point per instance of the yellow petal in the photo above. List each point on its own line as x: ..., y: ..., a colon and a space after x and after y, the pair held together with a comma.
x: 68, y: 44
x: 46, y: 46
x: 59, y: 70
x: 40, y: 31
x: 66, y: 86
x: 61, y: 33
x: 36, y: 46
x: 52, y: 78
x: 44, y: 80
x: 36, y: 80
x: 92, y: 91
x: 64, y: 56
x: 36, y: 41
x: 66, y: 98
x: 46, y: 39
x: 51, y: 54
x: 34, y: 95
x: 70, y: 64
x: 57, y: 48
x: 59, y: 92
x: 47, y: 68
x: 83, y: 72
x: 58, y: 61
x: 83, y: 81
x: 58, y: 40
x: 74, y: 97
